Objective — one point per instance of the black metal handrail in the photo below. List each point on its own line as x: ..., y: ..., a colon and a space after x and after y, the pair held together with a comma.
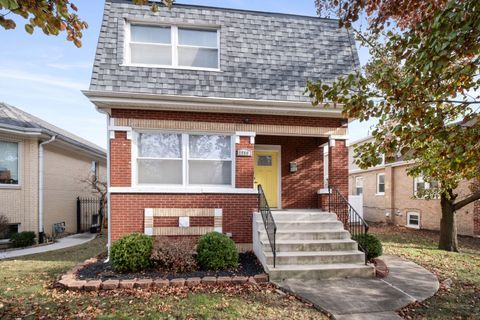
x: 268, y: 221
x: 350, y: 218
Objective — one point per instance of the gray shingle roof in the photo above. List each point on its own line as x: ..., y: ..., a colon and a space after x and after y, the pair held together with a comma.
x: 265, y: 56
x: 12, y: 118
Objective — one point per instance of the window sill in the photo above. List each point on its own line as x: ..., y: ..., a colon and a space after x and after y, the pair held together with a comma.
x: 380, y: 193
x: 323, y: 191
x: 160, y: 189
x: 159, y: 66
x: 10, y: 186
x: 413, y: 226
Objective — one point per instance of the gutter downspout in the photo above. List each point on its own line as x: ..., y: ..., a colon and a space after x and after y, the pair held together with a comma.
x: 109, y: 232
x: 41, y: 181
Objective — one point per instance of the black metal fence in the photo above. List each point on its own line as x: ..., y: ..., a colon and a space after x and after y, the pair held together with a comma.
x: 350, y: 218
x: 89, y: 214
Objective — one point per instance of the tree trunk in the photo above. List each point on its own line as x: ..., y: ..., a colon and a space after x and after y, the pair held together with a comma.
x: 448, y: 226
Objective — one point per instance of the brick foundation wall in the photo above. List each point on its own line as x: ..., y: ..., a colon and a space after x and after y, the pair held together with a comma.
x: 299, y: 189
x: 127, y: 211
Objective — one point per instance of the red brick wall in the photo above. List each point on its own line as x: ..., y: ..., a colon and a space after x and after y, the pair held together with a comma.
x: 127, y: 211
x: 244, y: 165
x: 226, y: 118
x: 338, y: 168
x: 120, y: 160
x: 299, y: 189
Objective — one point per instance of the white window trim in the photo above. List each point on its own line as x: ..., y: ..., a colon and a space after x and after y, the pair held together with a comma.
x: 413, y: 226
x: 415, y: 188
x: 378, y: 184
x: 174, y: 45
x: 19, y: 164
x: 184, y: 187
x: 325, y: 165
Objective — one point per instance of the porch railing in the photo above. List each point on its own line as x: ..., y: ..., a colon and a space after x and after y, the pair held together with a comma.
x: 350, y: 218
x: 268, y: 221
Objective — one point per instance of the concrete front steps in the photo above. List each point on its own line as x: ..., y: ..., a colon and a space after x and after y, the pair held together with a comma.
x: 309, y: 245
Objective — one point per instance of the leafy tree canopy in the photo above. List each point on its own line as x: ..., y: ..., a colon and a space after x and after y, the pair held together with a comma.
x: 421, y: 82
x: 52, y: 16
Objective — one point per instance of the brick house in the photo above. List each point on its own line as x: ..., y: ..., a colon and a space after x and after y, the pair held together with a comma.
x: 204, y: 103
x: 389, y: 196
x: 41, y: 169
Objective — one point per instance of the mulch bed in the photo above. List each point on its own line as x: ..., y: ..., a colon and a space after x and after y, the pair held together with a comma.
x: 248, y: 266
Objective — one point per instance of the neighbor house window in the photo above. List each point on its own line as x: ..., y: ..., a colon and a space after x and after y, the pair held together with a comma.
x: 413, y: 220
x: 9, y: 231
x: 358, y: 185
x: 9, y: 163
x: 420, y: 185
x: 184, y: 159
x: 94, y: 169
x: 173, y: 46
x: 381, y: 183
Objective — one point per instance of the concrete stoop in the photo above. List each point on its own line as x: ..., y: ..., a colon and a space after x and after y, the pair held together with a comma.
x: 309, y: 245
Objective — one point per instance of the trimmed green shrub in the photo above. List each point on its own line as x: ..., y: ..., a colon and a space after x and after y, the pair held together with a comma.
x: 3, y: 227
x: 23, y: 239
x: 131, y: 253
x: 216, y: 251
x: 371, y: 243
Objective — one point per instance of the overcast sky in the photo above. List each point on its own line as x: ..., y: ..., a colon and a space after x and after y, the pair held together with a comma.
x: 44, y: 75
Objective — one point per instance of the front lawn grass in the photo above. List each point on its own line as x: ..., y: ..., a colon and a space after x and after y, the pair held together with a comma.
x: 458, y: 300
x: 26, y: 291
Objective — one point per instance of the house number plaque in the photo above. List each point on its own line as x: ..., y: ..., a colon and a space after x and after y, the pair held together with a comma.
x: 244, y: 153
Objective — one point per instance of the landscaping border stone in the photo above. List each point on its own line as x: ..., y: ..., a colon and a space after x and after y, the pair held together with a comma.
x: 381, y: 269
x: 70, y: 281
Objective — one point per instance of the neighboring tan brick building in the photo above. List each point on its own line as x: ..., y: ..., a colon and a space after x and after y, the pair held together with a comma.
x: 206, y: 103
x: 25, y: 143
x: 389, y: 196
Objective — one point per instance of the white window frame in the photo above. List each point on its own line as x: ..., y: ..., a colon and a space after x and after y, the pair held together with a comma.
x: 19, y: 165
x: 185, y: 158
x: 419, y: 179
x: 413, y: 226
x: 174, y: 44
x: 357, y: 179
x: 378, y: 184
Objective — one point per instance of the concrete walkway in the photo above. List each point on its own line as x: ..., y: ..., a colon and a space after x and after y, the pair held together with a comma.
x: 373, y: 299
x: 66, y: 242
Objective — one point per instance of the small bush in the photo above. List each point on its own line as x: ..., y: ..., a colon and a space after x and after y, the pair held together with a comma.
x: 371, y: 243
x: 3, y: 226
x: 174, y: 255
x: 131, y: 253
x: 216, y: 251
x: 23, y: 239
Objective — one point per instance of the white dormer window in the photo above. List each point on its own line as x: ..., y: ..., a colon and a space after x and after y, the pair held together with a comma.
x: 172, y: 46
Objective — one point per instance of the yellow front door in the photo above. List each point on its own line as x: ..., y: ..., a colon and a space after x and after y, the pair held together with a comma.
x: 266, y: 174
